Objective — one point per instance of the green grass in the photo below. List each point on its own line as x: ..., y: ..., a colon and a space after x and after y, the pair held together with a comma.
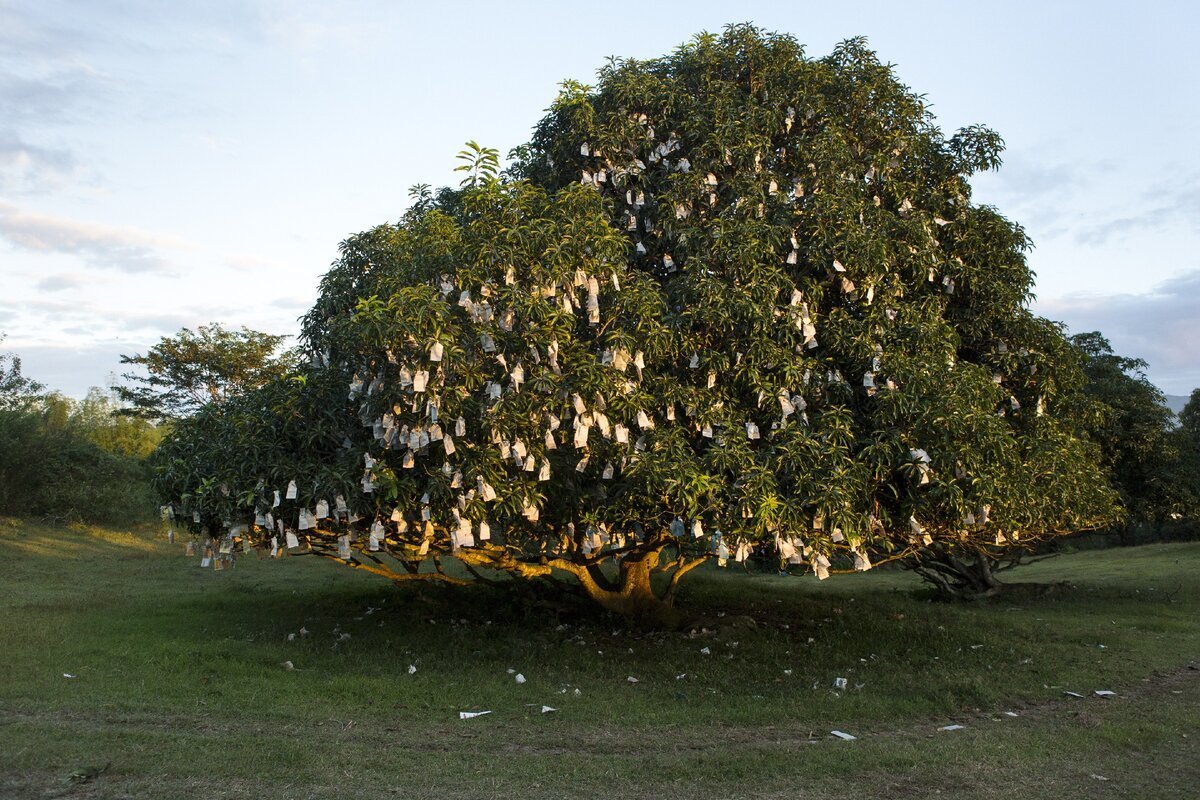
x: 179, y: 683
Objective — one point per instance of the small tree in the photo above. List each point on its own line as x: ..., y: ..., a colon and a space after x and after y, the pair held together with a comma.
x: 16, y: 390
x: 729, y: 297
x: 192, y: 369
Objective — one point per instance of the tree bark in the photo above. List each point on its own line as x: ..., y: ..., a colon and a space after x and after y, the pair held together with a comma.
x: 632, y: 594
x: 955, y: 578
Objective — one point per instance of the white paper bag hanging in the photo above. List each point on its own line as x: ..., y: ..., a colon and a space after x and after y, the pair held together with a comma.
x: 861, y: 562
x: 821, y: 567
x: 291, y: 490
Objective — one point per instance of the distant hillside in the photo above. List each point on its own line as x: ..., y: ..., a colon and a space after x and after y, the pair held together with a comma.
x: 1176, y: 402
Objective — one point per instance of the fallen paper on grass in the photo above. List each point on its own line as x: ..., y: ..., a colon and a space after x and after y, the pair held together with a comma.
x: 843, y: 735
x: 1072, y: 694
x: 520, y: 678
x: 632, y: 679
x: 1011, y: 714
x: 412, y: 669
x: 951, y: 728
x: 1104, y: 693
x: 288, y: 665
x: 69, y: 675
x: 471, y: 714
x: 839, y: 684
x: 548, y: 710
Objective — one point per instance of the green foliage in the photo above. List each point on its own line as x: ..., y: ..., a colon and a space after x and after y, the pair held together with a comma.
x: 98, y: 418
x: 1131, y: 422
x: 1189, y: 417
x: 1184, y: 471
x: 482, y: 165
x: 50, y: 468
x: 192, y: 369
x: 732, y: 297
x: 70, y: 461
x: 15, y: 389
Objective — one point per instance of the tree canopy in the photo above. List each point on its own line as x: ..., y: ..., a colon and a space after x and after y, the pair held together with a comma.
x: 1186, y: 470
x: 731, y: 298
x: 1130, y: 420
x: 192, y: 369
x: 15, y: 389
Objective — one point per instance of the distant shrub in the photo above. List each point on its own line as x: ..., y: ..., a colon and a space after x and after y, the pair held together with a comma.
x: 47, y: 470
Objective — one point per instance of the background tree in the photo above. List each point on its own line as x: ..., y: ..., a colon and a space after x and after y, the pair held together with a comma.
x: 1131, y: 422
x: 15, y: 388
x: 192, y: 369
x: 728, y: 297
x: 1184, y: 472
x: 67, y: 460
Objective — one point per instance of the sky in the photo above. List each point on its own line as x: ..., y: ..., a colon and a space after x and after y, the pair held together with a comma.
x: 165, y: 165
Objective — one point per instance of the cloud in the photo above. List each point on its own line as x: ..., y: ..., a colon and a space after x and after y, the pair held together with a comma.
x: 62, y: 283
x: 292, y: 303
x: 1167, y: 204
x: 122, y: 248
x: 1161, y: 326
x: 1037, y: 190
x: 250, y: 261
x: 72, y: 369
x: 56, y: 94
x: 1022, y: 175
x: 30, y: 169
x: 311, y: 27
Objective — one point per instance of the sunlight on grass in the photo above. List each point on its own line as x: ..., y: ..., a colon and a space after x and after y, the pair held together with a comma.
x: 77, y: 540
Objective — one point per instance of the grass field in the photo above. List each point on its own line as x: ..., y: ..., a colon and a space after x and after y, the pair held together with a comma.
x: 179, y: 686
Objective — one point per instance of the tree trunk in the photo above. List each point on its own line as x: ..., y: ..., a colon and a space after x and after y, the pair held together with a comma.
x: 632, y: 594
x: 956, y: 578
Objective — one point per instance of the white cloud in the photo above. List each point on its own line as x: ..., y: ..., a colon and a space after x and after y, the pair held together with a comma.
x: 1161, y: 326
x: 1173, y: 204
x: 126, y: 249
x: 63, y: 282
x: 30, y: 169
x: 72, y: 369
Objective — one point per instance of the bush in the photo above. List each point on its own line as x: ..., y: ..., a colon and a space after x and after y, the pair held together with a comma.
x: 47, y: 471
